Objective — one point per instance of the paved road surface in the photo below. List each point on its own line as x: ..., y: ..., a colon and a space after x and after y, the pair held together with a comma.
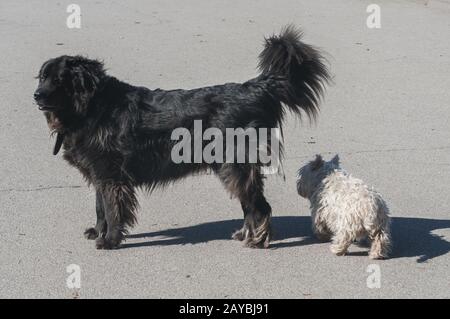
x: 387, y: 115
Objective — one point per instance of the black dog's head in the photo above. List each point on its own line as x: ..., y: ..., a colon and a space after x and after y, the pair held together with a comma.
x: 66, y: 85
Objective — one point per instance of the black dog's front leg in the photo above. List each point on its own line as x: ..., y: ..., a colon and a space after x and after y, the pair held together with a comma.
x: 100, y: 227
x: 119, y: 203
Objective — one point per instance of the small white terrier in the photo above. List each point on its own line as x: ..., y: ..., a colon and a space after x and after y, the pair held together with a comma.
x: 343, y: 208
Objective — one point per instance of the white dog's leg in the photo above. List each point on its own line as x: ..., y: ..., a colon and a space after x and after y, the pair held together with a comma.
x: 321, y: 231
x: 341, y: 241
x: 380, y: 234
x: 381, y: 245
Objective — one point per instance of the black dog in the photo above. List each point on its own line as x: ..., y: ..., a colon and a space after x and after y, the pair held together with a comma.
x: 119, y: 135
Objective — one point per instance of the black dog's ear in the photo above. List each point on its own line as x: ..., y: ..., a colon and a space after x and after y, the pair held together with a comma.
x: 83, y: 89
x: 84, y: 75
x: 317, y: 163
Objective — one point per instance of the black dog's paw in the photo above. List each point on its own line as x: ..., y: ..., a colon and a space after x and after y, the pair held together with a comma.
x: 91, y: 233
x: 252, y: 243
x: 238, y: 235
x: 261, y: 240
x: 105, y: 243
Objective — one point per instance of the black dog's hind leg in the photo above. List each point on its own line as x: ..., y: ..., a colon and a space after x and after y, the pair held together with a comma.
x: 259, y: 220
x: 120, y: 204
x: 100, y: 226
x: 246, y: 182
x: 244, y: 232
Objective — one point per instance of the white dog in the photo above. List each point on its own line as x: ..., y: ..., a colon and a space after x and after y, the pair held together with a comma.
x: 343, y: 208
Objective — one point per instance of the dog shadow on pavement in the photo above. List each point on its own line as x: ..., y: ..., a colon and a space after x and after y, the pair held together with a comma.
x: 412, y: 237
x: 287, y: 227
x: 415, y: 237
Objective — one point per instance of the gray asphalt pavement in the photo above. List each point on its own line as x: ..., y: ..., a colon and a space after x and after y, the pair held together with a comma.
x: 387, y: 116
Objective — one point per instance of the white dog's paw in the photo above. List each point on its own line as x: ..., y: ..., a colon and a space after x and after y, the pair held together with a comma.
x: 338, y: 250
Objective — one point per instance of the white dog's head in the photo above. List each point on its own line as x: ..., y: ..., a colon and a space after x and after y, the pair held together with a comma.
x: 311, y: 175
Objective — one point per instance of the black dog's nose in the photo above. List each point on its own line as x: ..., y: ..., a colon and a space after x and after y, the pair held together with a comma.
x: 38, y: 94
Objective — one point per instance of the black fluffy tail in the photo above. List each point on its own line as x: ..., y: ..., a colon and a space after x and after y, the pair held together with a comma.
x: 300, y: 70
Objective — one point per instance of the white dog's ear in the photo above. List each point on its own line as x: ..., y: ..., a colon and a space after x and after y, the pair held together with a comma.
x: 317, y: 163
x: 335, y: 159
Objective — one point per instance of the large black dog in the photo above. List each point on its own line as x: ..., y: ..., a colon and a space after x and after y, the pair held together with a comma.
x: 119, y: 135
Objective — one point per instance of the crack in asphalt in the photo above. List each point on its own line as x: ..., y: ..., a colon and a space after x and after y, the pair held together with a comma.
x: 38, y: 189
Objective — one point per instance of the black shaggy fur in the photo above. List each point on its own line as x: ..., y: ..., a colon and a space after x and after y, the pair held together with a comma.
x: 119, y: 135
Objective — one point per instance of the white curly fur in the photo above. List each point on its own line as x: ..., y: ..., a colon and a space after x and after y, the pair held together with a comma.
x: 343, y: 208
